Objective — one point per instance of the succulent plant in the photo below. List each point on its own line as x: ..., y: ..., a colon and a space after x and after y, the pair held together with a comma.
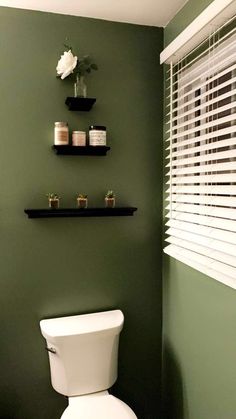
x: 82, y: 196
x: 110, y: 194
x: 53, y: 196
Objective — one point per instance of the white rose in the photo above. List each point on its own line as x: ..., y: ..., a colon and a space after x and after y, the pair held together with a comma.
x: 66, y: 64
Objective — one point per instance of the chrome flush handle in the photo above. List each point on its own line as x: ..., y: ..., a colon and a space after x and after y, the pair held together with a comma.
x: 52, y: 350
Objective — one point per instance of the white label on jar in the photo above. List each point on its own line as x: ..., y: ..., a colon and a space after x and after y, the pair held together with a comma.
x: 97, y: 137
x: 61, y: 136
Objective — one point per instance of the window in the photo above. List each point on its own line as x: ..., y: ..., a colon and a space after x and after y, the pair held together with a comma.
x: 201, y: 210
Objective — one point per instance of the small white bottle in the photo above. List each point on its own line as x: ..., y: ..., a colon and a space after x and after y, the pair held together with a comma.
x: 61, y: 133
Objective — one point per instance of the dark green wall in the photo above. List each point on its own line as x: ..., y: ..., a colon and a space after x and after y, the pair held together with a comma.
x: 199, y: 334
x: 185, y: 16
x: 56, y: 267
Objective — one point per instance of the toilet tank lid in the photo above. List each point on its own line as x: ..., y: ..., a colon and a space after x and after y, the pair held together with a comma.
x: 82, y: 324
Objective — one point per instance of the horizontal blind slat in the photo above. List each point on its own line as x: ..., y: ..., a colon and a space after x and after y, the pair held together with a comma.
x: 207, y: 220
x: 227, y: 260
x: 189, y: 99
x: 208, y: 231
x: 199, y: 148
x: 219, y: 167
x: 203, y: 189
x: 202, y: 85
x: 211, y: 135
x: 207, y: 103
x: 224, y: 201
x: 187, y: 63
x: 211, y: 124
x: 218, y: 266
x: 211, y: 178
x: 224, y: 213
x: 204, y: 158
x: 204, y: 115
x: 194, y: 71
x: 201, y: 263
x: 226, y: 249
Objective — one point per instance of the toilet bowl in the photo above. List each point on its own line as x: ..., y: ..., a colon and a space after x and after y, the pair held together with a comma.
x: 83, y: 358
x: 101, y: 405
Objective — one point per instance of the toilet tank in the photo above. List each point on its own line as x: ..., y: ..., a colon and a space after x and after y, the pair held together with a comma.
x: 83, y: 351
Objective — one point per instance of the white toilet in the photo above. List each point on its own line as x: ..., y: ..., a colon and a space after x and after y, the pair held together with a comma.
x: 83, y: 354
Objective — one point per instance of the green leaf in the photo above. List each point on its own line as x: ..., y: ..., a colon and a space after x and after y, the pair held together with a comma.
x: 94, y: 66
x: 87, y: 59
x: 68, y: 47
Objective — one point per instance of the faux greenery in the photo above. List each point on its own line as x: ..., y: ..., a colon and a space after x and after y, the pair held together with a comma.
x: 84, y: 65
x: 53, y: 196
x: 82, y: 196
x: 70, y: 64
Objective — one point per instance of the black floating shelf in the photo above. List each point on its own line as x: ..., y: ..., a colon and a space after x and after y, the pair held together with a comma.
x: 89, y: 150
x: 79, y: 212
x: 80, y: 103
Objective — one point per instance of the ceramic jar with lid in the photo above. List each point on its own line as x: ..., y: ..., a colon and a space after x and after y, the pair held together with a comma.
x: 61, y: 133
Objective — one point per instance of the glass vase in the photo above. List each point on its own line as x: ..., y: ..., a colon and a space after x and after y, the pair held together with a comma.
x: 80, y: 88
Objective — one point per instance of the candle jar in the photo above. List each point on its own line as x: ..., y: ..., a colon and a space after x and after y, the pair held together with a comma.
x: 97, y: 135
x: 78, y: 138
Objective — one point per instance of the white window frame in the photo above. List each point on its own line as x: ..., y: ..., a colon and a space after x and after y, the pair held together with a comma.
x: 220, y: 261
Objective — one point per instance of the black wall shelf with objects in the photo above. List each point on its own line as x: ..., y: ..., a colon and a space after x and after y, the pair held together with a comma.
x: 83, y: 104
x: 79, y: 212
x: 71, y: 150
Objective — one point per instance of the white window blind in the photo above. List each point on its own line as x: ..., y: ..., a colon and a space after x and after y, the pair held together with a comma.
x: 201, y: 157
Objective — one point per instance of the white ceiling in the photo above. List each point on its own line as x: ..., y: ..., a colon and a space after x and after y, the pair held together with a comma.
x: 142, y: 12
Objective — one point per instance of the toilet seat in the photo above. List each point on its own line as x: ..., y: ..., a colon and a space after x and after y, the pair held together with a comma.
x: 100, y: 405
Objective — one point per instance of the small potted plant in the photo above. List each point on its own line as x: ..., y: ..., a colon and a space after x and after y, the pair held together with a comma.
x: 82, y: 201
x: 53, y: 200
x: 110, y: 199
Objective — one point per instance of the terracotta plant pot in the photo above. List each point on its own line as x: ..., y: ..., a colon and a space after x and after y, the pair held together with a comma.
x: 110, y: 202
x: 53, y: 203
x: 82, y: 202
